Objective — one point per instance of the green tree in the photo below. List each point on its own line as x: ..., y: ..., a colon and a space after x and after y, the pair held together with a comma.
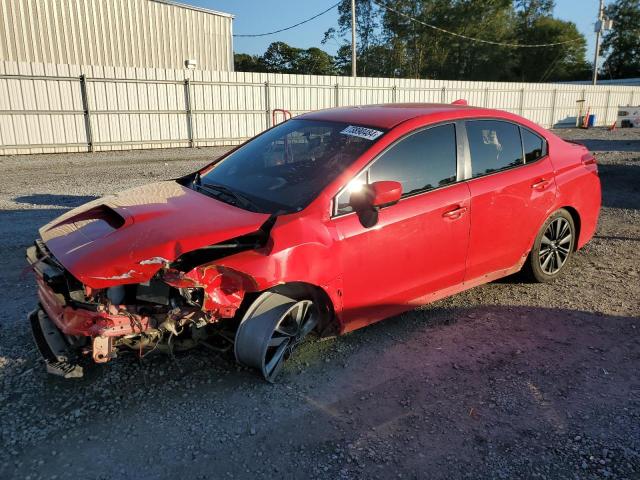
x: 558, y: 62
x: 367, y: 36
x: 398, y: 42
x: 531, y: 10
x: 244, y: 62
x: 535, y: 25
x: 314, y: 61
x: 621, y: 45
x: 423, y: 52
x: 283, y: 58
x: 485, y: 19
x: 377, y: 61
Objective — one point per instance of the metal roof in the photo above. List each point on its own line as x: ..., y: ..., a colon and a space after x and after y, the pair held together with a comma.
x: 193, y: 7
x: 629, y: 82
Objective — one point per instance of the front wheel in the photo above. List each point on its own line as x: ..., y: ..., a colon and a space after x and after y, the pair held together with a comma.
x: 552, y: 248
x: 273, y: 326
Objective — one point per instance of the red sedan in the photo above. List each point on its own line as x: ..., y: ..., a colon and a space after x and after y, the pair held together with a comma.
x: 327, y: 222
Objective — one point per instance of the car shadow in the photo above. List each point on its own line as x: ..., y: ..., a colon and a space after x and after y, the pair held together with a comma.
x: 57, y: 200
x: 402, y: 327
x: 599, y: 145
x: 469, y: 367
x: 620, y: 185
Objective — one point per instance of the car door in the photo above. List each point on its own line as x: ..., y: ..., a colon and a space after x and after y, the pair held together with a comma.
x: 418, y: 245
x: 511, y: 194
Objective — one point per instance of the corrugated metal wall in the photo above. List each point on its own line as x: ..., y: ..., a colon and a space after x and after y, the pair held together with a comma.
x: 48, y: 108
x: 120, y: 33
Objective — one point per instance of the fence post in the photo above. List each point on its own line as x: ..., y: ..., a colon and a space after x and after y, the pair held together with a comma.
x: 187, y: 101
x: 267, y: 104
x: 337, y: 95
x: 606, y: 112
x: 486, y: 97
x: 394, y: 94
x: 87, y: 114
x: 553, y: 108
x: 443, y: 95
x: 521, y: 107
x: 582, y: 99
x: 631, y: 98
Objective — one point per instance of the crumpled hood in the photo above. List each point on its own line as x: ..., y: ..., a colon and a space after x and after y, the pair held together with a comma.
x: 126, y: 238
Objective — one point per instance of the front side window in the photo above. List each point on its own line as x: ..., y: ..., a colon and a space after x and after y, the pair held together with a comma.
x: 422, y: 161
x: 286, y: 168
x: 342, y: 200
x: 534, y: 145
x: 494, y: 146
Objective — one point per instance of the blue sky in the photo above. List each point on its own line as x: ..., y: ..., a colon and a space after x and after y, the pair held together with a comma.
x: 257, y: 16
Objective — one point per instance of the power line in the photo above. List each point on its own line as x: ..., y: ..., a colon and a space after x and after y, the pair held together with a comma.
x: 551, y: 67
x: 490, y: 42
x: 292, y: 26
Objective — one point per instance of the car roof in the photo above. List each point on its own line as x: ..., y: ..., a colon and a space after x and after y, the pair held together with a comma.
x: 389, y: 115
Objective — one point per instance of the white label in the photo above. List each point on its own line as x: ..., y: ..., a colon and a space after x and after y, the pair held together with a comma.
x: 362, y: 132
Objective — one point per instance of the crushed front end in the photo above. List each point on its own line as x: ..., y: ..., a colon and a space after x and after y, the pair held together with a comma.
x: 174, y: 310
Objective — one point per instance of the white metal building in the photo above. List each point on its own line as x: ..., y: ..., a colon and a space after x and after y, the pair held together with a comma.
x: 118, y: 33
x: 628, y: 82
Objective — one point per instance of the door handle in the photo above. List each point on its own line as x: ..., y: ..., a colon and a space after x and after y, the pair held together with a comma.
x: 455, y: 213
x: 540, y: 184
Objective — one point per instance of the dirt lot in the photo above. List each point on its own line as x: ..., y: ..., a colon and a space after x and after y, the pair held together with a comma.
x: 508, y: 380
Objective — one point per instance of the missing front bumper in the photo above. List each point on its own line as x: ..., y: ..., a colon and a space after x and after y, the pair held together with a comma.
x: 54, y: 348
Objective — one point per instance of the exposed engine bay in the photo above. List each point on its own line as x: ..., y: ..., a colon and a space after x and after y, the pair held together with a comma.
x: 188, y: 302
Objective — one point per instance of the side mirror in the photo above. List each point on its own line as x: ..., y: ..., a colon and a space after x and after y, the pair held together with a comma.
x: 366, y: 201
x: 376, y: 195
x: 385, y: 193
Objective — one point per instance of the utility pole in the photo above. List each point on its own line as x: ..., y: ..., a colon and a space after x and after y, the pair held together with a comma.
x: 598, y: 28
x: 353, y: 38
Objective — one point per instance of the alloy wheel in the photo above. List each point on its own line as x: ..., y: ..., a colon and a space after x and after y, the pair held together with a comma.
x: 271, y: 331
x: 555, y: 246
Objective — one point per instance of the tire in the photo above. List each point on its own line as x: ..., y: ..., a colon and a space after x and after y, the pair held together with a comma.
x: 271, y: 329
x: 552, y: 249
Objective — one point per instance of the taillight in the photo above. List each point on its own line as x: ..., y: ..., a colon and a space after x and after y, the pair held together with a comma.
x: 588, y: 159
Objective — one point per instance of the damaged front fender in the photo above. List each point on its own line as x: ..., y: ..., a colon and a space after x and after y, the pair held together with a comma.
x: 223, y: 288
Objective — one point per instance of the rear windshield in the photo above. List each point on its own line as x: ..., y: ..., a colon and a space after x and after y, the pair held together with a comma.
x: 284, y: 169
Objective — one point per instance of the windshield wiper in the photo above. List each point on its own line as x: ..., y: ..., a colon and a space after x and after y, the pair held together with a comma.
x: 239, y: 199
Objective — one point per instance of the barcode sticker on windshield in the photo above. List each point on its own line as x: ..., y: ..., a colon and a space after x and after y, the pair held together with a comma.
x: 362, y: 132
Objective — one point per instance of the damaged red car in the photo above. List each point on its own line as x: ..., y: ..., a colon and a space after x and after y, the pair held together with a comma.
x: 327, y: 222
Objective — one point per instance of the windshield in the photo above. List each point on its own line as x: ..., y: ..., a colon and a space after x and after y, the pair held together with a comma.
x: 284, y: 169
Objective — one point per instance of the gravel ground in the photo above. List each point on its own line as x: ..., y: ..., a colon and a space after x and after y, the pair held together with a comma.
x: 508, y: 380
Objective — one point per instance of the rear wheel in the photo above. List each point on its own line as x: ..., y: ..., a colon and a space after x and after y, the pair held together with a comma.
x: 552, y: 248
x: 273, y: 326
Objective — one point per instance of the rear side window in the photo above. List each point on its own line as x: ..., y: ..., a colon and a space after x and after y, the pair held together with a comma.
x: 534, y: 145
x: 494, y: 146
x: 421, y: 161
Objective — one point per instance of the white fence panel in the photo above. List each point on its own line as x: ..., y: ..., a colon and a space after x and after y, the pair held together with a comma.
x: 50, y: 108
